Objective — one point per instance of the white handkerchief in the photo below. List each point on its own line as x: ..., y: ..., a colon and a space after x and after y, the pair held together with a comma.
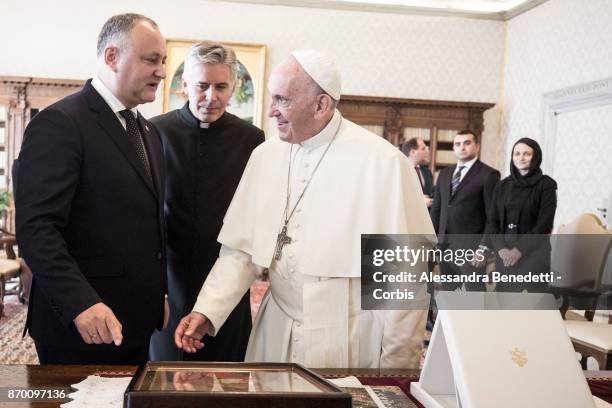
x: 99, y: 392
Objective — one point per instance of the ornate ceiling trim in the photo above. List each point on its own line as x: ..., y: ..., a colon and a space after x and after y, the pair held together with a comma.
x: 399, y: 9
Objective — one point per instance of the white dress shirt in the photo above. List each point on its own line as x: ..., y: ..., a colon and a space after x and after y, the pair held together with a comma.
x: 466, y: 167
x: 111, y: 100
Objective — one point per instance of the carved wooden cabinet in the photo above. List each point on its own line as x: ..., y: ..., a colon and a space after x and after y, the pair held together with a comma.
x: 397, y: 120
x: 3, y: 123
x: 20, y: 99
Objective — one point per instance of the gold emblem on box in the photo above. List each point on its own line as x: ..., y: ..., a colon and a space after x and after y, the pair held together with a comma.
x: 518, y: 357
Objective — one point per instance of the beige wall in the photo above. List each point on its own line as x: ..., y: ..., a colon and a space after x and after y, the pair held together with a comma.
x: 560, y: 44
x: 556, y: 45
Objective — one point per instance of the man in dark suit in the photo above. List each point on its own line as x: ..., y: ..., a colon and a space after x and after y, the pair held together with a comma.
x: 461, y: 202
x: 89, y: 202
x: 418, y: 154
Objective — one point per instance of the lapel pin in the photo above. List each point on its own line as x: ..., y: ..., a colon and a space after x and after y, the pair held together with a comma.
x: 146, y: 128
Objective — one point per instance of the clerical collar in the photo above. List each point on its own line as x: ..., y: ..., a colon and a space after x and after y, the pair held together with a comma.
x: 324, y: 136
x: 192, y: 121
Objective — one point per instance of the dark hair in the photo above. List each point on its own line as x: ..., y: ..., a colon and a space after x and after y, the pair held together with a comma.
x: 116, y: 28
x: 469, y: 132
x: 410, y: 144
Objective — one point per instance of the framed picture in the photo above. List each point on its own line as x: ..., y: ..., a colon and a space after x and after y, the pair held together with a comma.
x: 256, y: 385
x: 247, y: 101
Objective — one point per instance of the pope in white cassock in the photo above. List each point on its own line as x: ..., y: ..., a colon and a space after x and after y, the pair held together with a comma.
x: 302, y: 203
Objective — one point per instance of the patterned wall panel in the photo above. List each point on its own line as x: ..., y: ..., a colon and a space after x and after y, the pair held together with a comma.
x: 555, y: 45
x: 559, y: 44
x: 582, y: 167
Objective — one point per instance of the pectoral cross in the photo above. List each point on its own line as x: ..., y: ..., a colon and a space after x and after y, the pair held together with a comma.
x: 281, y: 240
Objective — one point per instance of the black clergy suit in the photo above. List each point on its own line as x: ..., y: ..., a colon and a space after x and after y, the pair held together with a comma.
x: 90, y: 226
x: 203, y: 166
x: 464, y: 212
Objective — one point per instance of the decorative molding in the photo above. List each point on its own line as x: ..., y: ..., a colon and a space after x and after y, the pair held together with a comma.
x: 400, y: 9
x: 15, y: 81
x: 32, y: 92
x: 584, y: 96
x: 369, y: 110
x: 520, y: 9
x: 591, y: 94
x: 42, y: 81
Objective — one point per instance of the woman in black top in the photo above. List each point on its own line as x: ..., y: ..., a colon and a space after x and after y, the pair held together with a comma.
x: 521, y: 218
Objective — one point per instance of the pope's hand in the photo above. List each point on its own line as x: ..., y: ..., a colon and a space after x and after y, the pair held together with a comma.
x: 190, y: 331
x: 98, y: 325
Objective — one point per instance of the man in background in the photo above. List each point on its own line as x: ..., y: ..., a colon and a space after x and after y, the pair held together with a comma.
x: 418, y: 154
x: 89, y: 208
x: 462, y: 199
x: 206, y: 151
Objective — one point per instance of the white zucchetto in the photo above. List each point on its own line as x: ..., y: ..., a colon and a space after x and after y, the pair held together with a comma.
x: 322, y: 69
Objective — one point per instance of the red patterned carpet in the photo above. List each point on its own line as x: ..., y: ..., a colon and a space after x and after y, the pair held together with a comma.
x: 15, y: 349
x: 258, y: 290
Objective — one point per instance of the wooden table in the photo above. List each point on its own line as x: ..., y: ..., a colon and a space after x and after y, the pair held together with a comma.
x: 61, y: 377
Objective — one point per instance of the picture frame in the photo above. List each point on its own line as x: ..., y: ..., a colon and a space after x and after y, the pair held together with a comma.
x: 186, y: 383
x: 247, y: 101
